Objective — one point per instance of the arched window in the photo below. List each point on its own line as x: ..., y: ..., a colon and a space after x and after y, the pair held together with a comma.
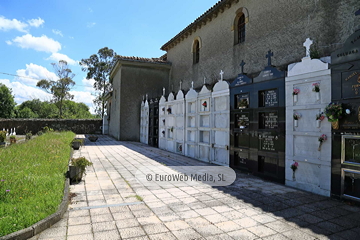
x: 196, y: 51
x: 241, y: 29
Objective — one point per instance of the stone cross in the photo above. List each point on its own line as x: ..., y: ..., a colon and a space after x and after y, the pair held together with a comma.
x: 204, y: 80
x: 307, y: 45
x: 192, y: 84
x: 180, y: 84
x: 268, y: 56
x: 242, y: 66
x: 146, y: 96
x: 221, y: 74
x: 164, y: 92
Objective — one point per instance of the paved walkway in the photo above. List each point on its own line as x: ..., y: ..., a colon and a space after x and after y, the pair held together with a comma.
x: 112, y: 204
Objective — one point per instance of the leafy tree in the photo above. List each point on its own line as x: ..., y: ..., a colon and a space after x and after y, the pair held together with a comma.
x: 7, y: 103
x: 26, y: 113
x: 98, y: 67
x: 59, y: 88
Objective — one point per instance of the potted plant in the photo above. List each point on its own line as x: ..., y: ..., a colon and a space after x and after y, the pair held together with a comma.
x: 12, y: 139
x: 93, y: 138
x: 2, y: 138
x: 78, y: 168
x: 77, y: 143
x: 334, y: 112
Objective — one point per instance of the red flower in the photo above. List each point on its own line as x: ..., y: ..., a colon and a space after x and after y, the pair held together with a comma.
x: 204, y: 104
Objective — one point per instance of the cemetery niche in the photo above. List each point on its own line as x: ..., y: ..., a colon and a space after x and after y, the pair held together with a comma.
x: 153, y: 138
x: 257, y: 123
x: 345, y: 83
x: 308, y: 80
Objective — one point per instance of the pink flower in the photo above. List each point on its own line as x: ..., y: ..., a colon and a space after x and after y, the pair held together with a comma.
x: 296, y: 91
x: 296, y: 164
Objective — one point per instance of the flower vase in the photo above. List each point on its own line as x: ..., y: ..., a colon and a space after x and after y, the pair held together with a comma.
x: 335, y: 125
x: 294, y: 179
x: 295, y: 98
x: 317, y: 96
x: 318, y: 123
x: 319, y: 148
x: 295, y: 123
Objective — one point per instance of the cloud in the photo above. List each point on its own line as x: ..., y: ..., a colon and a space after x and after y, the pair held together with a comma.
x: 90, y: 25
x: 23, y: 92
x: 8, y: 24
x: 57, y: 32
x: 42, y: 44
x: 59, y: 56
x: 36, y: 22
x: 88, y: 85
x: 33, y: 73
x: 84, y: 97
x: 90, y: 10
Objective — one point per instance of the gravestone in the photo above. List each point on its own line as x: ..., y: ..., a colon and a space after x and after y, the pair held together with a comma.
x: 191, y: 127
x: 257, y: 123
x: 162, y: 122
x: 153, y: 138
x: 314, y: 165
x: 204, y: 103
x: 144, y: 122
x: 345, y: 89
x: 220, y: 122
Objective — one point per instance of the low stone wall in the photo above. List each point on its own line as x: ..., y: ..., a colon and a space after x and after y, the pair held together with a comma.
x: 22, y: 126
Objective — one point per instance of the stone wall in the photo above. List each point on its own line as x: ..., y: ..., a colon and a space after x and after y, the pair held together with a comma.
x: 280, y: 26
x: 79, y: 126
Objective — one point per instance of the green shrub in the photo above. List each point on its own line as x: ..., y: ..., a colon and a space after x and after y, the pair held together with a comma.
x: 2, y: 136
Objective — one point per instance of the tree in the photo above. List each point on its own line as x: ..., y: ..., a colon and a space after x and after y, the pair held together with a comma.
x: 98, y: 67
x: 59, y: 88
x: 7, y: 103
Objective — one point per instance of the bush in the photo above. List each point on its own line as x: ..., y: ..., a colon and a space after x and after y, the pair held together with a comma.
x: 2, y: 136
x: 28, y: 136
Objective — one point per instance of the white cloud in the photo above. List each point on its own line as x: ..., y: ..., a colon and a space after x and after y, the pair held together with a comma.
x: 57, y: 32
x: 59, y: 56
x: 43, y: 43
x: 8, y: 24
x: 36, y: 22
x: 88, y: 85
x: 33, y: 73
x: 90, y: 25
x: 90, y: 10
x: 23, y: 92
x: 84, y: 97
x: 8, y: 42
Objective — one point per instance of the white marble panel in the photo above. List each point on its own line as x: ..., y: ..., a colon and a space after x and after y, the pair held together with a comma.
x: 204, y: 153
x: 191, y: 136
x: 221, y: 103
x: 307, y: 122
x: 180, y: 121
x: 306, y: 146
x: 221, y: 137
x: 204, y: 136
x: 204, y: 121
x: 191, y: 121
x: 170, y: 146
x: 221, y: 156
x: 191, y: 107
x: 190, y: 150
x: 221, y: 120
x: 179, y: 134
x: 170, y: 121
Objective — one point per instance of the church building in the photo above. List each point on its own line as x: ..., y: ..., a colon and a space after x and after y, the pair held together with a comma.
x: 247, y: 85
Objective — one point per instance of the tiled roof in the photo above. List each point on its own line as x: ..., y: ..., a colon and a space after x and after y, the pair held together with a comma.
x: 141, y: 59
x: 206, y: 16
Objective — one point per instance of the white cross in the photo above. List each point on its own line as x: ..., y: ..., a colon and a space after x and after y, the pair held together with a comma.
x: 192, y: 84
x: 163, y: 91
x: 307, y: 45
x: 180, y: 84
x: 221, y: 74
x: 146, y: 96
x: 204, y: 80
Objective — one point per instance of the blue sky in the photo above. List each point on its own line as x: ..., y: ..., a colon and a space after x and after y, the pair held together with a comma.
x: 34, y: 34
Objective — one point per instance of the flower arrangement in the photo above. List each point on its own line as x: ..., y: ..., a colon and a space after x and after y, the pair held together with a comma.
x: 334, y: 112
x: 168, y: 110
x: 320, y: 116
x: 294, y: 166
x: 163, y: 132
x: 163, y: 120
x: 163, y: 109
x: 243, y: 103
x: 296, y: 91
x: 172, y: 129
x: 322, y: 139
x: 316, y: 87
x: 204, y: 104
x: 297, y: 116
x: 180, y: 148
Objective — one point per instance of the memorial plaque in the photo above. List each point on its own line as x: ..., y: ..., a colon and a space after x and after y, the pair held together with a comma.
x: 267, y: 141
x: 350, y: 149
x: 268, y: 98
x: 268, y: 120
x: 350, y: 83
x: 269, y: 73
x: 241, y: 80
x: 242, y: 101
x: 242, y: 120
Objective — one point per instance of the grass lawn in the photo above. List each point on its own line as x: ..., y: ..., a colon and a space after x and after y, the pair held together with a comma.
x: 32, y: 179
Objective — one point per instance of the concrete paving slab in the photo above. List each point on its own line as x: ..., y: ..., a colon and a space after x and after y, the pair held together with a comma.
x: 250, y: 208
